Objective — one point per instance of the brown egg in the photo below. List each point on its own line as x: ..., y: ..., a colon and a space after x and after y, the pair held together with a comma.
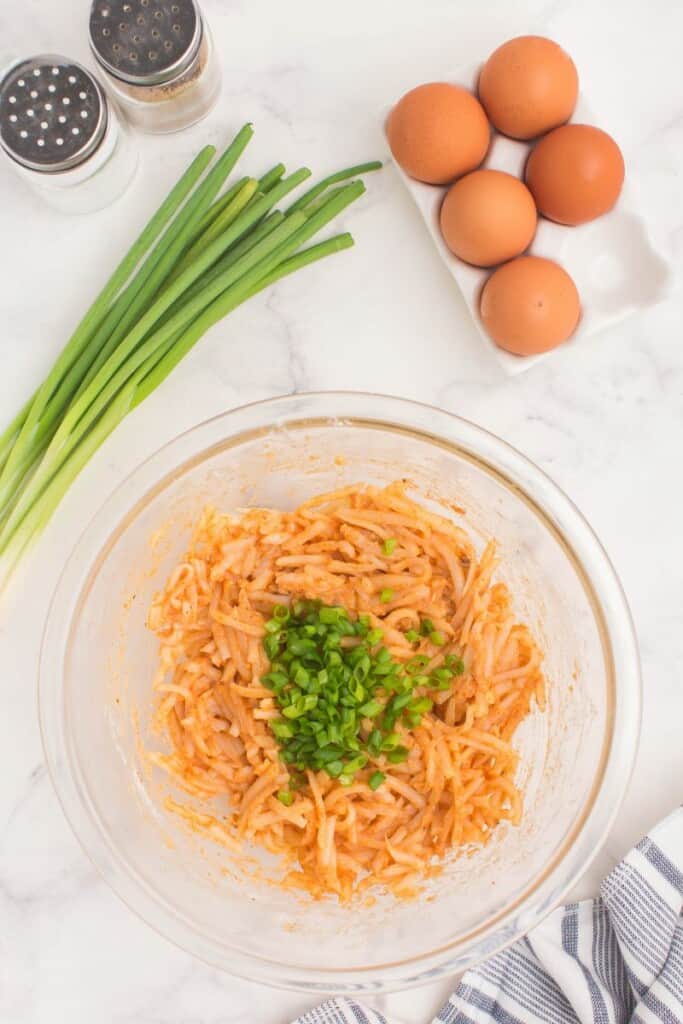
x: 528, y: 86
x: 438, y: 132
x: 575, y: 174
x: 488, y: 217
x: 530, y: 305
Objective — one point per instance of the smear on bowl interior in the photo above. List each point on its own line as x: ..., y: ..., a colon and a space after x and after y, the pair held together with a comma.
x: 341, y: 684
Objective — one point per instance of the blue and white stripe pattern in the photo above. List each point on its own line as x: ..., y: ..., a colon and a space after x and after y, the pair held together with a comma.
x: 614, y: 960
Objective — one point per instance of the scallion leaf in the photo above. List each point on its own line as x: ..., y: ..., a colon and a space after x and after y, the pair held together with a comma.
x: 164, y: 295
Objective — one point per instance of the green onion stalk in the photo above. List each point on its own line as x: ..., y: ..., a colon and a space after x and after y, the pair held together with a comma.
x: 209, y: 247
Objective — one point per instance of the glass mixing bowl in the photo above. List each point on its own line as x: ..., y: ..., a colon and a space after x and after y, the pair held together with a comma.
x: 98, y: 660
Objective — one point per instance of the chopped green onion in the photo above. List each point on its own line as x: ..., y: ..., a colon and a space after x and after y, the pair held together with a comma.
x: 442, y: 685
x: 331, y: 615
x: 389, y: 546
x: 372, y: 708
x: 376, y: 780
x: 426, y: 627
x: 356, y: 691
x: 330, y: 754
x: 386, y: 595
x: 398, y: 755
x: 283, y: 730
x: 329, y: 694
x: 437, y: 638
x: 421, y: 705
x: 361, y: 669
x: 416, y: 663
x: 285, y: 797
x: 402, y: 700
x: 412, y: 636
x: 270, y: 645
x: 375, y: 742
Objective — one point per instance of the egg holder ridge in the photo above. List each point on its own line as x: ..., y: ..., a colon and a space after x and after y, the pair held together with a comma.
x: 612, y: 260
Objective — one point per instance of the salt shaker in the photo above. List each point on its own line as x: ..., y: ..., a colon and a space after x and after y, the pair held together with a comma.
x: 63, y: 135
x: 158, y: 60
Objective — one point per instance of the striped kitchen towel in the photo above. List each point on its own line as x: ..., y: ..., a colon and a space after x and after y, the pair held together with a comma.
x: 613, y: 960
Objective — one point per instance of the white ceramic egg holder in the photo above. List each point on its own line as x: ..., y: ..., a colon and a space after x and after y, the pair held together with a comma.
x: 612, y: 260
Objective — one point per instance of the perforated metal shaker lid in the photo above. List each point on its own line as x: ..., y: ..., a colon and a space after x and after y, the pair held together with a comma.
x: 53, y: 114
x: 145, y: 42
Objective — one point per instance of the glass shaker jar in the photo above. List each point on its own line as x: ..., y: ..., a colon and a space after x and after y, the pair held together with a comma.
x: 63, y: 135
x: 158, y: 59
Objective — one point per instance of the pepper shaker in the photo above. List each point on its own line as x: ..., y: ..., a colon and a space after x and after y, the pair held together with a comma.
x: 63, y: 135
x: 158, y: 59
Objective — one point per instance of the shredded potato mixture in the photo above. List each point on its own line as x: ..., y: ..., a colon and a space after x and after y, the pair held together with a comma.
x: 457, y: 783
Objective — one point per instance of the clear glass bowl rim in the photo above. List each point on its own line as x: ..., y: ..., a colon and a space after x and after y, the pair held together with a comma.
x: 515, y: 471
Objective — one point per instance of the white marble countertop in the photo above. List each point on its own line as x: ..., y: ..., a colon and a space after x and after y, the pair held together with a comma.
x: 606, y: 421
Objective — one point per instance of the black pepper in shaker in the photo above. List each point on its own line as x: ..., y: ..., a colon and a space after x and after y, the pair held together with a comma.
x: 158, y: 59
